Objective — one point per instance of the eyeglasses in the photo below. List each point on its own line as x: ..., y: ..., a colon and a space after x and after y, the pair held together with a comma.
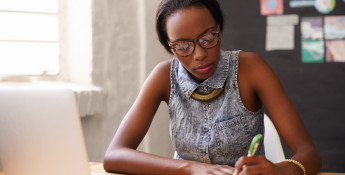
x: 186, y: 47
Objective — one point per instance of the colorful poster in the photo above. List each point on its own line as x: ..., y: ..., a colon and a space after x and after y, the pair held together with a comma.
x: 335, y: 51
x: 312, y: 28
x: 334, y: 27
x: 271, y: 7
x: 302, y: 3
x: 312, y: 51
x: 280, y: 32
x: 324, y: 6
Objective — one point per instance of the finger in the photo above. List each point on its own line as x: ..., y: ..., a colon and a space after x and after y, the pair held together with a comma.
x: 240, y: 162
x: 229, y: 170
x: 239, y: 165
x: 244, y: 160
x: 236, y: 172
x: 260, y: 165
x: 225, y: 169
x: 257, y: 169
x: 251, y: 162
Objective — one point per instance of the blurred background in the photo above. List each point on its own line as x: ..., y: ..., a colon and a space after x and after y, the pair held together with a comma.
x: 105, y: 49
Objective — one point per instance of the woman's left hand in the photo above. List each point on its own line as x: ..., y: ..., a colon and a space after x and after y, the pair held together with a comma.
x: 254, y: 165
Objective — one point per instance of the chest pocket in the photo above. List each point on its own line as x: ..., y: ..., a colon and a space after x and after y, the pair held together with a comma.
x: 232, y: 139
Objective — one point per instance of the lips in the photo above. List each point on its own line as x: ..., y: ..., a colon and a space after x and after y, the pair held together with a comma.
x: 204, y: 69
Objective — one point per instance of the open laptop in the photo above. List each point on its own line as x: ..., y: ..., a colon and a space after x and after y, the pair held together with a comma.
x: 40, y: 132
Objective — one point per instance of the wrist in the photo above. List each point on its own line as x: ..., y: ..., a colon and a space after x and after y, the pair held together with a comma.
x: 187, y: 167
x: 292, y: 167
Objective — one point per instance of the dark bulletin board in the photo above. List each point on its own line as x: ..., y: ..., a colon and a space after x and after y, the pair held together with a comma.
x: 316, y: 89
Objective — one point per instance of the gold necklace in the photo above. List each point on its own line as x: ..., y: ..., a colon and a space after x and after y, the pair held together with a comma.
x: 207, y: 97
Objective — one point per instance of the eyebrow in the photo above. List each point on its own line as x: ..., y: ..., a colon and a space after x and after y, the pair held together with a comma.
x: 203, y: 33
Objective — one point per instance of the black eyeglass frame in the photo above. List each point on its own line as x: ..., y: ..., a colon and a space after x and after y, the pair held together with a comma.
x: 194, y: 41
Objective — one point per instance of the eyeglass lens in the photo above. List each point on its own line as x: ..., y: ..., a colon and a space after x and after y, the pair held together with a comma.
x: 185, y: 48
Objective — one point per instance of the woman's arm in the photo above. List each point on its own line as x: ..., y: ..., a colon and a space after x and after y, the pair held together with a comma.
x: 259, y: 83
x: 122, y: 155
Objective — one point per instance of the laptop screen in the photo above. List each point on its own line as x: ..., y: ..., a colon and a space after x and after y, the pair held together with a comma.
x: 40, y: 132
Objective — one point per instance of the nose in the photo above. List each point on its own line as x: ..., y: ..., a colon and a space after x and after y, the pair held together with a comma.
x: 199, y: 53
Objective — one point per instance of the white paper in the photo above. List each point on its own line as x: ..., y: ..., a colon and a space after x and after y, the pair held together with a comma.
x: 282, y: 20
x: 280, y: 38
x: 280, y: 32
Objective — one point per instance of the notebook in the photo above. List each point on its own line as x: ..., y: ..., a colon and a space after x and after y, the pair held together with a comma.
x: 40, y: 132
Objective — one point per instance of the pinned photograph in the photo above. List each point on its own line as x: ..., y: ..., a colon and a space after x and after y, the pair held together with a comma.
x: 311, y: 28
x: 271, y: 7
x: 335, y: 51
x: 334, y: 27
x: 312, y: 51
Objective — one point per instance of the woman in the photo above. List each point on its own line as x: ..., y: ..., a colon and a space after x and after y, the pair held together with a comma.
x: 215, y: 101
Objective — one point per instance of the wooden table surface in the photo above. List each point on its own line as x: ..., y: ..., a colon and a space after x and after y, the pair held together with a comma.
x: 97, y: 169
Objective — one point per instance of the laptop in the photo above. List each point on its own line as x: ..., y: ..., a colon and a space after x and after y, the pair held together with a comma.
x: 40, y: 132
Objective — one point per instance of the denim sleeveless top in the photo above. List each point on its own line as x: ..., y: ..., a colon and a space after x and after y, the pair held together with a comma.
x: 218, y: 131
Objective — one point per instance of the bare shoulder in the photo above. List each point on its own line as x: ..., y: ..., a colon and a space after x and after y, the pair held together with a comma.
x: 160, y: 79
x: 250, y: 59
x: 161, y: 72
x: 252, y: 64
x: 254, y: 71
x: 163, y: 67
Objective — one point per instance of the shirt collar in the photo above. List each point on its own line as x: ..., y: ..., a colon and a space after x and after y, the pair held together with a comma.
x: 217, y: 80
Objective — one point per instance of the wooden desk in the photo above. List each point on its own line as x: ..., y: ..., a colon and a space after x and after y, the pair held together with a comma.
x: 97, y: 169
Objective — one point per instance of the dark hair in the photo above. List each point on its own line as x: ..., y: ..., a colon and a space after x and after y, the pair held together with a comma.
x: 167, y: 7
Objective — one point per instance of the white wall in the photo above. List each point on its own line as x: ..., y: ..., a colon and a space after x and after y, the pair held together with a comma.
x: 125, y: 50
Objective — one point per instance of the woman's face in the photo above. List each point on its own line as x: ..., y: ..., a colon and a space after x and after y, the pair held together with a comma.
x: 190, y: 24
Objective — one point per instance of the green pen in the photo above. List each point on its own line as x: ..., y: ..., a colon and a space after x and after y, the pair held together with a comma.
x: 252, y: 149
x: 254, y: 145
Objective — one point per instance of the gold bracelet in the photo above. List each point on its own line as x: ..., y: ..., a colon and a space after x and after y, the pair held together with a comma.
x: 296, y: 163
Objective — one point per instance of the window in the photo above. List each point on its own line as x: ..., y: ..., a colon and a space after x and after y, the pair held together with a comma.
x: 29, y: 37
x: 49, y: 43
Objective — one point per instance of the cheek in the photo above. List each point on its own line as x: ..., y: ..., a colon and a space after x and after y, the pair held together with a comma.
x: 186, y: 62
x: 214, y: 53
